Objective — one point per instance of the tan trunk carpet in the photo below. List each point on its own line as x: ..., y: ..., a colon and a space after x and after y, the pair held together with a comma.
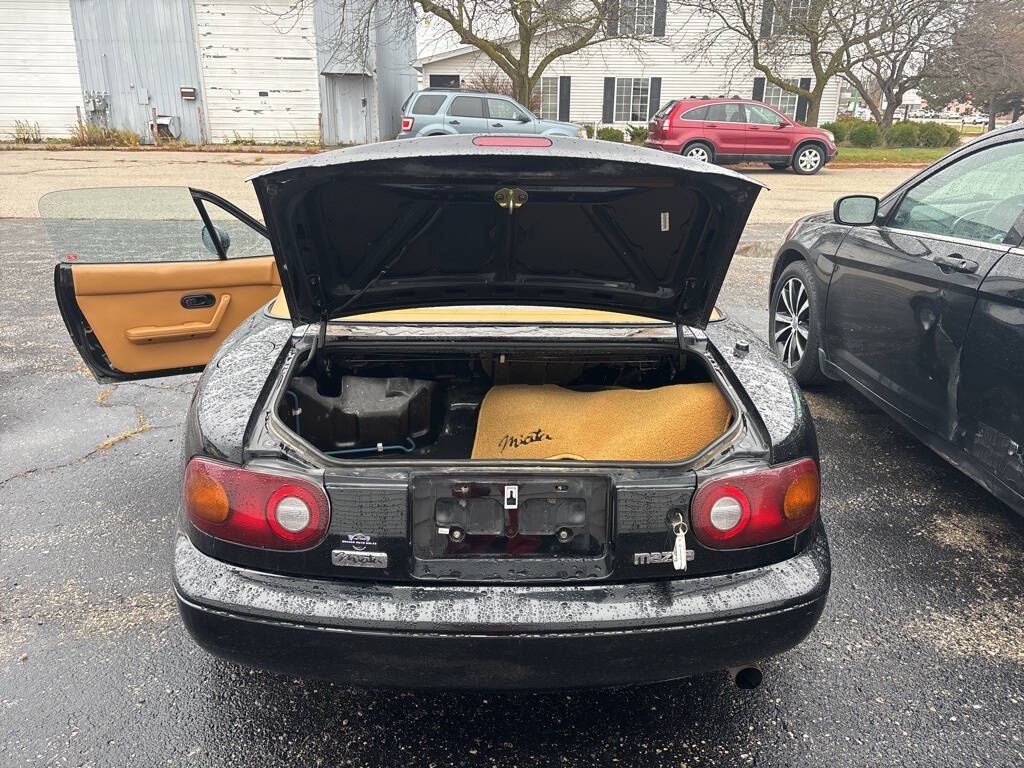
x: 523, y: 421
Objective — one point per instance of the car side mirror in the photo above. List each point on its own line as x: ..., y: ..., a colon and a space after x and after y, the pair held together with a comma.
x: 783, y: 123
x: 524, y: 119
x: 222, y: 237
x: 855, y: 210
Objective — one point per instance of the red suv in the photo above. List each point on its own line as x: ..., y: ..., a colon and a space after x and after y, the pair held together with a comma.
x: 739, y: 131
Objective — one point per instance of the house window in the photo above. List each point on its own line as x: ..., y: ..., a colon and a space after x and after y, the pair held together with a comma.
x: 784, y: 101
x: 636, y: 17
x: 631, y: 99
x: 790, y: 16
x: 547, y: 96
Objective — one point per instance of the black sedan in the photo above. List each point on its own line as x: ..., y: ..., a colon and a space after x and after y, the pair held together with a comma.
x: 490, y: 433
x: 917, y: 300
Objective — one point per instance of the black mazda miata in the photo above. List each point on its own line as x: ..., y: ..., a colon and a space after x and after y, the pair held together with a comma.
x: 917, y: 300
x: 490, y: 433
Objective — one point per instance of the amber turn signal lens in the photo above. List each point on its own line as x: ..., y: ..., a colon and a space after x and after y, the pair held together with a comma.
x: 206, y: 498
x: 801, y: 498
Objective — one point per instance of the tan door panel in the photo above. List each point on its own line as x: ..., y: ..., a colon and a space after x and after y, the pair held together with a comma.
x: 136, y: 312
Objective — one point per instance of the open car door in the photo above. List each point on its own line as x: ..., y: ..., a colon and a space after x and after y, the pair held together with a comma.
x: 152, y: 280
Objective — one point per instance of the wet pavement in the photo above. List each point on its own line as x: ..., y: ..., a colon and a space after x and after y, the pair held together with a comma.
x: 917, y: 659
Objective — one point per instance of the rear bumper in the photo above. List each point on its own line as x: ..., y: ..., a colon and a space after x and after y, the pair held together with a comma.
x: 668, y: 145
x: 496, y: 637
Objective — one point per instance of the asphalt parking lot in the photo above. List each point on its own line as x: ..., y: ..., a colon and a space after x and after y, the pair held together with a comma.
x: 917, y: 659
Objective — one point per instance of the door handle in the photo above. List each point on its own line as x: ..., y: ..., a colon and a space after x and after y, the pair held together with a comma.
x: 453, y: 122
x: 153, y: 334
x: 956, y: 263
x: 197, y: 300
x: 497, y: 125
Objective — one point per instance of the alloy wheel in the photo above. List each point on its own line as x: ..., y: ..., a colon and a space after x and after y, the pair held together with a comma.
x: 791, y: 323
x: 809, y: 160
x: 698, y: 152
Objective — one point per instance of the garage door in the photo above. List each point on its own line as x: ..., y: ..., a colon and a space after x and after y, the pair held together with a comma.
x: 259, y: 70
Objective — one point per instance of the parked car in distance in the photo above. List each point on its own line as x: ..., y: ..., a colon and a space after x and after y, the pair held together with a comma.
x: 440, y: 111
x: 975, y: 119
x: 917, y: 300
x: 489, y: 434
x: 739, y: 131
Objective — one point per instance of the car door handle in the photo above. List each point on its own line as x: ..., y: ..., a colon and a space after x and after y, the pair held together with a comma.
x: 453, y: 122
x: 154, y: 334
x: 956, y: 263
x: 497, y: 125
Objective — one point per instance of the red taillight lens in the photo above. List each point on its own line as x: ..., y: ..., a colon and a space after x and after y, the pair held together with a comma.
x: 258, y: 509
x: 407, y: 122
x: 756, y: 507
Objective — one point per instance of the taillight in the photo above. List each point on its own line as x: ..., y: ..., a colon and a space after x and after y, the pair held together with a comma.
x: 407, y: 122
x: 756, y: 507
x: 258, y: 509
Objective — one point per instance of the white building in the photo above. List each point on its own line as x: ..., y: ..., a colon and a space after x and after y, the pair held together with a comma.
x: 213, y: 70
x: 615, y: 83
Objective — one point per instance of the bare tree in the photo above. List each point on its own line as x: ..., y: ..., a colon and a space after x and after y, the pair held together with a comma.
x: 894, y: 63
x: 984, y: 60
x: 779, y: 36
x: 521, y: 37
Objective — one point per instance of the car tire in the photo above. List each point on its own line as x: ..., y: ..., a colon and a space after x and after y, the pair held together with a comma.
x: 778, y: 166
x: 699, y: 150
x: 808, y: 159
x: 796, y: 342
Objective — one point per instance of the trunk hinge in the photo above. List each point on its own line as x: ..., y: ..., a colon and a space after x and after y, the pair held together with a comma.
x: 692, y: 338
x: 320, y: 304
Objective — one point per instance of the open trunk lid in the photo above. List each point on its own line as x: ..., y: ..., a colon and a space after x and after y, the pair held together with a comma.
x: 507, y: 220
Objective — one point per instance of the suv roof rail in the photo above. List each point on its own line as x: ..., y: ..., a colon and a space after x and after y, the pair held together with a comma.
x: 460, y: 89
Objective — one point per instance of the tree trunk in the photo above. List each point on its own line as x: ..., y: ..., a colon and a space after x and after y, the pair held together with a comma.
x: 887, y: 117
x: 813, y: 108
x: 522, y: 88
x: 1016, y: 113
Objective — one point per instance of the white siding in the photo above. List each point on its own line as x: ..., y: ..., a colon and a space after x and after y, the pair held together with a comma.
x: 38, y: 66
x: 245, y: 50
x: 680, y: 78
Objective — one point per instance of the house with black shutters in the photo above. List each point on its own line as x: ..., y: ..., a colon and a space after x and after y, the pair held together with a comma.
x: 625, y: 82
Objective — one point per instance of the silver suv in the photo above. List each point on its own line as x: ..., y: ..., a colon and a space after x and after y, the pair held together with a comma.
x: 437, y: 111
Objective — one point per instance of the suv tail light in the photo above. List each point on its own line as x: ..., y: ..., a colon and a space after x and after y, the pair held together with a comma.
x: 756, y: 507
x: 407, y: 123
x: 258, y: 509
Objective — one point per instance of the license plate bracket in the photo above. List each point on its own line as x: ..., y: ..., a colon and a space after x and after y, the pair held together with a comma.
x: 491, y: 519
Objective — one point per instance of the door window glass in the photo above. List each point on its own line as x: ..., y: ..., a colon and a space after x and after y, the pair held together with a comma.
x: 428, y: 104
x: 761, y: 115
x: 729, y: 112
x: 119, y: 224
x: 466, y: 106
x: 499, y: 109
x: 978, y: 197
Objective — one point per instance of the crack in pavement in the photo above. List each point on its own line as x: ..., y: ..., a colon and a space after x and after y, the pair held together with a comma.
x: 141, y: 425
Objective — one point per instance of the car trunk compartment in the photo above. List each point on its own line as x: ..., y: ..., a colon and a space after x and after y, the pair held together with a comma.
x: 547, y: 406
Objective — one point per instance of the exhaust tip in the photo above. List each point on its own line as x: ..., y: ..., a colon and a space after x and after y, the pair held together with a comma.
x: 747, y: 678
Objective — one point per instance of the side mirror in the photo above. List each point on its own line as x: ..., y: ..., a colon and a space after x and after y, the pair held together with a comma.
x: 855, y: 210
x: 221, y: 236
x: 784, y: 123
x: 524, y: 119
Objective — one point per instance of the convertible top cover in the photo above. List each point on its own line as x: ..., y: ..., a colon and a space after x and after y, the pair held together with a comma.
x: 463, y: 220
